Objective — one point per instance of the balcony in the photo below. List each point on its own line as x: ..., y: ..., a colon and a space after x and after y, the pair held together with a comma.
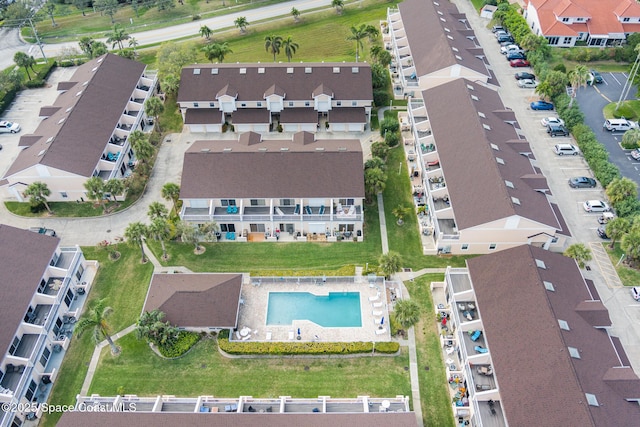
x: 448, y: 228
x: 196, y: 214
x: 26, y: 346
x: 118, y: 140
x: 111, y: 157
x: 125, y: 126
x: 38, y: 316
x: 52, y: 286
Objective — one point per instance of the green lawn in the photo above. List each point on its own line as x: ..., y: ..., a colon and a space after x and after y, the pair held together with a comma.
x: 434, y: 395
x: 68, y: 209
x: 628, y: 109
x: 205, y: 371
x: 124, y: 285
x: 628, y: 276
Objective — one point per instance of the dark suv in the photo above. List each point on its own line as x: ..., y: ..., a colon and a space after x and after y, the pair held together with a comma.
x: 557, y: 130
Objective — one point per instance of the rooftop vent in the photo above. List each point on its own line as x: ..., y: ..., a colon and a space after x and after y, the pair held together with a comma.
x: 515, y: 200
x: 447, y: 30
x: 549, y: 286
x: 453, y: 48
x: 470, y: 87
x: 486, y: 126
x: 495, y: 147
x: 69, y: 109
x: 481, y: 114
x: 205, y: 150
x: 509, y: 184
x: 262, y: 149
x: 342, y: 148
x: 261, y: 70
x: 563, y: 325
x: 541, y: 264
x: 336, y: 70
x: 500, y: 160
x: 41, y: 153
x: 284, y: 148
x: 243, y: 71
x: 94, y: 69
x: 440, y: 13
x: 475, y: 98
x: 196, y: 71
x: 573, y: 352
x: 100, y: 60
x: 79, y: 93
x: 61, y: 120
x: 319, y: 148
x: 443, y: 20
x: 591, y: 398
x: 289, y: 70
x: 226, y: 150
x: 49, y: 140
x: 307, y: 70
x: 214, y: 71
x: 355, y: 70
x: 85, y: 83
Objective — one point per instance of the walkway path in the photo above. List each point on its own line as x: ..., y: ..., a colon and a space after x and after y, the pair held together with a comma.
x: 383, y: 225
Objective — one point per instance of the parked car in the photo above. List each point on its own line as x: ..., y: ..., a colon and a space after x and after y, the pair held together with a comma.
x: 515, y: 55
x: 507, y: 42
x: 595, y: 77
x: 605, y: 217
x: 557, y: 130
x: 596, y: 206
x: 508, y: 48
x: 582, y: 182
x: 43, y: 230
x: 635, y: 154
x: 527, y: 84
x: 500, y: 33
x: 602, y: 232
x: 568, y: 149
x: 524, y: 75
x: 9, y: 127
x: 497, y: 28
x: 519, y: 63
x: 505, y: 38
x: 635, y: 293
x: 552, y: 121
x: 541, y: 105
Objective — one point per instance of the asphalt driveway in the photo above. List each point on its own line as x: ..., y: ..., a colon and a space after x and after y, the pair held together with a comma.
x: 592, y: 100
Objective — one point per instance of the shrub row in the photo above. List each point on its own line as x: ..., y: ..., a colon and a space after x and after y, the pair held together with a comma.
x: 185, y: 341
x: 308, y: 348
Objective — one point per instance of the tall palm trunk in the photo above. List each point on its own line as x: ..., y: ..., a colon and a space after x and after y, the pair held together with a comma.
x: 144, y: 256
x: 107, y: 337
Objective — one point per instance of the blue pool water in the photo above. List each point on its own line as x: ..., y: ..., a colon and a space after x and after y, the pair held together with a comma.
x: 338, y: 309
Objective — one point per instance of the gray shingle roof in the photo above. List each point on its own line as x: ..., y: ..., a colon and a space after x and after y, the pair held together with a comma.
x: 228, y: 169
x: 463, y: 138
x: 87, y: 116
x: 24, y: 257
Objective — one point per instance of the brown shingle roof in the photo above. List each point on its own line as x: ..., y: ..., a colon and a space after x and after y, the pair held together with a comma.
x: 202, y: 116
x: 251, y: 115
x: 528, y: 348
x: 128, y: 419
x: 227, y: 169
x: 431, y: 47
x: 348, y: 115
x: 298, y: 115
x: 251, y: 86
x: 24, y: 257
x: 87, y: 117
x: 463, y: 139
x: 196, y: 300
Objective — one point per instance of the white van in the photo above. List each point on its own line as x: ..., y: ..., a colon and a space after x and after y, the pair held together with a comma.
x: 619, y: 125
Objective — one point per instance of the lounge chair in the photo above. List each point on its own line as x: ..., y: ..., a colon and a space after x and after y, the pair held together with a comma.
x: 238, y: 335
x: 246, y: 338
x: 269, y: 336
x: 377, y: 312
x: 381, y: 331
x: 377, y: 321
x: 475, y: 335
x: 377, y: 304
x: 291, y: 335
x: 375, y: 298
x: 480, y: 349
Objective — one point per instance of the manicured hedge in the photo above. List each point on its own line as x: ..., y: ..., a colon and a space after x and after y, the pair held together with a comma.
x: 308, y: 348
x: 183, y: 344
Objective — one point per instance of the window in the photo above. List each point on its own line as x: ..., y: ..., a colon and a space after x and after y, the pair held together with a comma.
x: 257, y: 202
x: 290, y: 103
x: 45, y: 357
x: 508, y: 183
x: 338, y: 103
x: 63, y: 194
x: 348, y: 202
x: 287, y: 202
x: 196, y: 71
x: 228, y: 202
x: 492, y: 246
x: 567, y: 40
x: 307, y: 104
x: 549, y: 286
x: 196, y: 105
x: 625, y: 19
x: 244, y: 104
x: 212, y: 104
x: 259, y: 104
x: 68, y: 297
x: 231, y: 228
x: 14, y: 345
x: 553, y: 40
x: 57, y: 326
x: 565, y: 19
x: 79, y: 272
x: 541, y: 264
x: 563, y: 324
x: 591, y: 399
x: 573, y: 352
x: 515, y: 200
x: 354, y: 103
x: 31, y: 391
x: 464, y: 247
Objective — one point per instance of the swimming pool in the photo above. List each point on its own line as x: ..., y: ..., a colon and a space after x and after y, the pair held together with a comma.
x: 338, y: 309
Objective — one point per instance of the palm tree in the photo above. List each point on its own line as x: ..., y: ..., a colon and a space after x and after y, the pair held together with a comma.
x: 578, y: 77
x: 161, y: 231
x: 157, y: 210
x: 38, y: 193
x: 358, y: 34
x: 400, y: 212
x: 171, y: 191
x: 117, y: 36
x: 209, y: 230
x: 95, y: 188
x: 154, y: 107
x: 406, y: 312
x: 241, y: 23
x: 96, y: 318
x: 290, y: 47
x: 23, y: 60
x: 134, y: 44
x: 189, y: 234
x: 114, y: 187
x: 135, y: 233
x: 338, y: 4
x: 223, y: 50
x: 170, y: 84
x: 217, y: 51
x: 205, y: 32
x: 141, y: 146
x: 620, y: 189
x: 374, y: 182
x: 390, y: 263
x: 579, y: 252
x: 272, y: 44
x: 630, y: 244
x: 295, y: 13
x: 616, y: 228
x: 151, y: 327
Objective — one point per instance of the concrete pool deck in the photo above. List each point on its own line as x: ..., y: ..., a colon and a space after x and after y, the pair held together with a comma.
x: 255, y: 298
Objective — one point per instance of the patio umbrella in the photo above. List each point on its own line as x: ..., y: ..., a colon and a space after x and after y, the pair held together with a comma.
x: 382, y: 320
x: 298, y: 331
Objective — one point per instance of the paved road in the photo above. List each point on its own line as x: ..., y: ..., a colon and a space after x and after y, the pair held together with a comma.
x: 10, y: 43
x: 592, y: 100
